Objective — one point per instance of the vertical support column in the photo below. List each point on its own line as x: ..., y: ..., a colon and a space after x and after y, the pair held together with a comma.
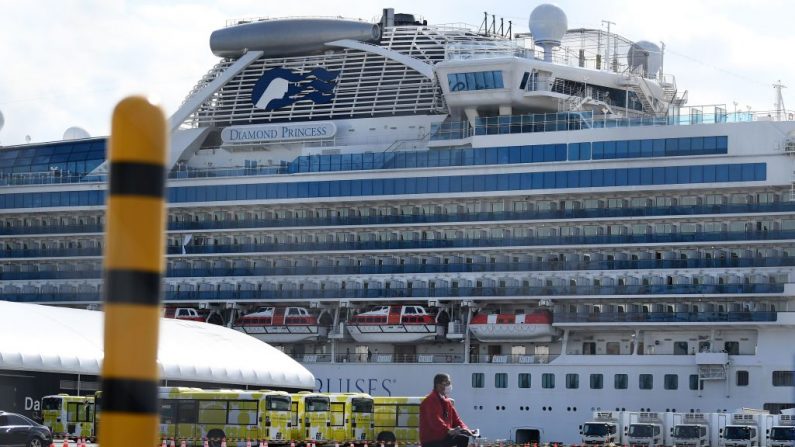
x: 134, y: 265
x: 467, y: 342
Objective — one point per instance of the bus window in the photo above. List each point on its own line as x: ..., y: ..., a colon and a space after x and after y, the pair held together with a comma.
x: 167, y: 411
x: 186, y: 413
x: 51, y: 403
x: 362, y: 405
x: 316, y: 404
x: 278, y: 403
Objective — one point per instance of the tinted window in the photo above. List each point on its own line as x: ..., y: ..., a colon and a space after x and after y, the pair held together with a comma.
x: 17, y: 420
x: 620, y: 381
x: 742, y: 378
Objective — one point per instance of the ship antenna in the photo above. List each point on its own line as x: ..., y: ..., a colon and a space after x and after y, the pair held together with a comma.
x: 779, y: 100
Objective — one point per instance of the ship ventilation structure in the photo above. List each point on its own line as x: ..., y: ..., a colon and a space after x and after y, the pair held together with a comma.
x: 548, y: 25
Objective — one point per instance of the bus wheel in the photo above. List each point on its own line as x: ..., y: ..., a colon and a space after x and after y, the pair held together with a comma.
x: 214, y: 437
x: 386, y: 436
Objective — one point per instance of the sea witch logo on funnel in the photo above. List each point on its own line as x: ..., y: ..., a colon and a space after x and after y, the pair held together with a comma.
x: 279, y: 87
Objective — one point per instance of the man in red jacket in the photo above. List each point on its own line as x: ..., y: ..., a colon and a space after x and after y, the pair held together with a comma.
x: 440, y: 425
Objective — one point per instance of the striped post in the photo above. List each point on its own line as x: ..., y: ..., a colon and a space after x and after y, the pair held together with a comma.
x: 134, y: 264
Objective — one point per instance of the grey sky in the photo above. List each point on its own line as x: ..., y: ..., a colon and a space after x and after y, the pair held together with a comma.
x: 68, y: 62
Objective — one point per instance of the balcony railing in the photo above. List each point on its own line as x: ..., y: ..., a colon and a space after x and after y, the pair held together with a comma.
x: 419, y: 292
x: 393, y: 357
x: 411, y: 268
x: 722, y: 236
x: 774, y: 207
x: 666, y: 317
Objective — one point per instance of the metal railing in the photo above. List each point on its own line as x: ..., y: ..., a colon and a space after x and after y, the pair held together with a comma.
x: 666, y: 317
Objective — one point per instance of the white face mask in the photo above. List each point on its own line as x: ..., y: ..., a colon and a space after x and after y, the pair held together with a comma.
x: 448, y: 390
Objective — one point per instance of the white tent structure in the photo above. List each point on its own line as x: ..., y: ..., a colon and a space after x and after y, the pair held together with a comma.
x: 70, y: 341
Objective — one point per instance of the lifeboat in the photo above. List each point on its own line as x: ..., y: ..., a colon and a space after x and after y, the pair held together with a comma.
x: 184, y: 313
x: 279, y: 324
x: 392, y: 324
x: 512, y: 327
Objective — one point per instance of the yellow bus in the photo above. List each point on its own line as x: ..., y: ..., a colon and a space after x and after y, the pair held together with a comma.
x: 397, y: 419
x: 193, y: 414
x: 351, y: 418
x: 68, y: 416
x: 311, y: 419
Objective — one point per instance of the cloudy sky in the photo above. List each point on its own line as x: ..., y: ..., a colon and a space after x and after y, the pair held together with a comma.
x: 68, y: 62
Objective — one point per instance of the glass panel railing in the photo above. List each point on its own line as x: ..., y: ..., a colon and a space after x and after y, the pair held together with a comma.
x: 424, y: 244
x: 666, y: 317
x: 422, y: 292
x: 567, y: 214
x: 545, y: 266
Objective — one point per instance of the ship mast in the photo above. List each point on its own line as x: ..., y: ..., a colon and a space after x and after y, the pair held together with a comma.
x: 780, y: 110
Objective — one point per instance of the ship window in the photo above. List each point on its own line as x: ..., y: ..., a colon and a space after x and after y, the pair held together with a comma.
x: 501, y: 380
x: 620, y: 381
x: 742, y: 378
x: 477, y: 380
x: 548, y: 380
x: 524, y: 380
x: 671, y: 382
x: 694, y: 382
x: 597, y: 381
x: 572, y: 381
x: 645, y: 381
x: 783, y: 378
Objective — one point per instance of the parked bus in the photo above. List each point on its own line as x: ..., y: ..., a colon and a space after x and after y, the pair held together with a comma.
x: 311, y: 419
x: 397, y: 419
x: 351, y: 418
x: 68, y: 416
x: 193, y: 414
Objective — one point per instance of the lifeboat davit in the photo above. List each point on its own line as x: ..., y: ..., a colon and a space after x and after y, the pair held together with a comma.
x: 279, y: 324
x: 392, y: 324
x: 512, y: 327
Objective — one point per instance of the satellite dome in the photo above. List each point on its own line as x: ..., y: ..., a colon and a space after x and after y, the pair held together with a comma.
x: 75, y: 133
x: 548, y: 25
x: 647, y: 55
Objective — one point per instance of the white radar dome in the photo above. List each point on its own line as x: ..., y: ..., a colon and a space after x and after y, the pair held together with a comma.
x: 548, y: 24
x: 75, y: 133
x: 647, y: 55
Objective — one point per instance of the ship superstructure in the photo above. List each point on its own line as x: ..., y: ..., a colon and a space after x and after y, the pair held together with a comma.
x: 540, y: 216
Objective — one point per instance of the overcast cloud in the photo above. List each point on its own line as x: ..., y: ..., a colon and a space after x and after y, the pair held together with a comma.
x: 68, y: 62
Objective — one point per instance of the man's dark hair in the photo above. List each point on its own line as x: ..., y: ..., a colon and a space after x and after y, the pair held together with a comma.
x: 440, y: 378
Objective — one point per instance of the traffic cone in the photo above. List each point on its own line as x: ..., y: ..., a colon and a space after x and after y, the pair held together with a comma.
x: 173, y: 443
x: 248, y: 442
x: 223, y: 442
x: 382, y: 443
x: 164, y: 444
x: 264, y: 443
x: 182, y: 443
x: 292, y: 443
x: 65, y: 442
x: 206, y: 443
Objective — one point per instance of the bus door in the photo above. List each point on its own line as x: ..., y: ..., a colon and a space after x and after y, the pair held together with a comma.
x: 187, y: 418
x: 337, y: 429
x: 295, y: 422
x: 73, y: 412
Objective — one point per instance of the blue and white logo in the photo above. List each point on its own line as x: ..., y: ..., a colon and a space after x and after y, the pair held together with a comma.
x: 279, y: 87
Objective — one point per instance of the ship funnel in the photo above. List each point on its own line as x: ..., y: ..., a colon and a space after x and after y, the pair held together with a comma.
x: 548, y: 25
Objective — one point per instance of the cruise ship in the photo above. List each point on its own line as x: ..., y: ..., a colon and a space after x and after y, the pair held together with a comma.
x: 541, y: 215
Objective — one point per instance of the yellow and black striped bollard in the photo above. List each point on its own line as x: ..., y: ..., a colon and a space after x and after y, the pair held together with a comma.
x: 133, y: 269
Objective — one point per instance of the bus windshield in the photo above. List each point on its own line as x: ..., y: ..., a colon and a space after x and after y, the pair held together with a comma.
x: 317, y: 404
x: 278, y: 403
x: 51, y: 403
x: 361, y: 405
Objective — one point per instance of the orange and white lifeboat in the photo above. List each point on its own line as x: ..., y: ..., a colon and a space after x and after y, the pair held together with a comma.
x: 279, y: 324
x: 512, y: 327
x: 392, y: 324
